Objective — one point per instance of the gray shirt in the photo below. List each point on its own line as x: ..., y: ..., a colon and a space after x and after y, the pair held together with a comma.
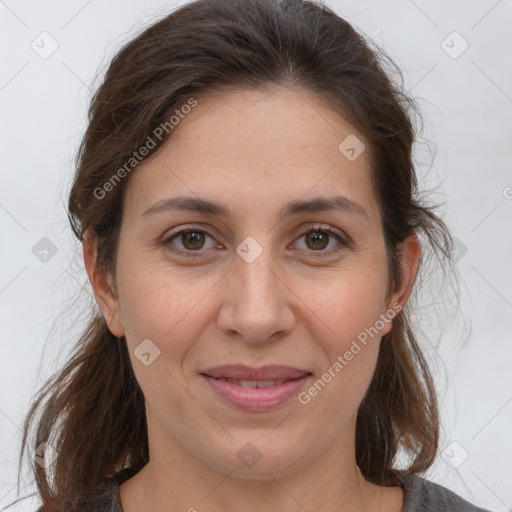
x: 420, y: 495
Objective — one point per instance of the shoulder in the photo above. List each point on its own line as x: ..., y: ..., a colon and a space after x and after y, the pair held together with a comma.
x: 421, y: 495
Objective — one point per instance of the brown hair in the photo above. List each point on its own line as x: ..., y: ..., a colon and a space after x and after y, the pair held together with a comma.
x: 93, y: 410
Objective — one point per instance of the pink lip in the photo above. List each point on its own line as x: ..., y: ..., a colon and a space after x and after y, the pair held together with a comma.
x: 242, y: 372
x: 256, y: 399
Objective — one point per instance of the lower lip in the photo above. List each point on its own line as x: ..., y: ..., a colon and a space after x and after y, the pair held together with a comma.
x: 256, y: 399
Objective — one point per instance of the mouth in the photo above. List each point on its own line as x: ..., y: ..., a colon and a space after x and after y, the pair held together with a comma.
x: 247, y: 376
x: 255, y: 389
x: 254, y: 383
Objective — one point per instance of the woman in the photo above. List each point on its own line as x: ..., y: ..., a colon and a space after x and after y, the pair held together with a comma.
x: 246, y: 199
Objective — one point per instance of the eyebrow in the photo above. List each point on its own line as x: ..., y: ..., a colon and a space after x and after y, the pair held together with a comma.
x: 207, y: 207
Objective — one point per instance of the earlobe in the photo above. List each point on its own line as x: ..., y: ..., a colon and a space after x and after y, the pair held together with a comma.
x: 102, y: 286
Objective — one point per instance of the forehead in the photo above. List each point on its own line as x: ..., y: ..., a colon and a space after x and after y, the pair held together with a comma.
x: 254, y: 146
x: 242, y: 121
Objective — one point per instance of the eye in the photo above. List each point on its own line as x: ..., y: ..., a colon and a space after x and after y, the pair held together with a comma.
x: 191, y: 239
x: 317, y: 238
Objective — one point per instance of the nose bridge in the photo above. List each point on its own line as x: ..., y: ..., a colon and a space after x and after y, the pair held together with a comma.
x: 256, y: 303
x: 258, y: 284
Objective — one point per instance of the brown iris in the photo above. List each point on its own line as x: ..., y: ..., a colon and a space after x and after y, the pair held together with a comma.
x: 196, y: 238
x: 317, y: 237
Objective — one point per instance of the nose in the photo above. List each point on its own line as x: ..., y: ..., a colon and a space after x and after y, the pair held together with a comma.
x: 257, y: 304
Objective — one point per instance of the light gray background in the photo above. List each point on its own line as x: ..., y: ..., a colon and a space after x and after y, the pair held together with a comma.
x: 467, y: 107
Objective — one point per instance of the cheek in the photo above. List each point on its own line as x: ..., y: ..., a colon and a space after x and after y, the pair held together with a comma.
x: 350, y: 355
x: 158, y: 306
x: 345, y: 305
x: 164, y: 307
x: 348, y: 311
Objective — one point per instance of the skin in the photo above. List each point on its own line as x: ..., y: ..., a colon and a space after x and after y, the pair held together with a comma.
x: 252, y: 151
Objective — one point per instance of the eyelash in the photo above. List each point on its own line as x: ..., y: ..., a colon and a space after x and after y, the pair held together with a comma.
x: 313, y: 229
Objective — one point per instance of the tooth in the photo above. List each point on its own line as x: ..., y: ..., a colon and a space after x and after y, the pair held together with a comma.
x: 249, y: 383
x: 266, y: 383
x: 254, y: 383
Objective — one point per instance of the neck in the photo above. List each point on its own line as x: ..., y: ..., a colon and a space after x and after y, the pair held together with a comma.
x: 331, y: 483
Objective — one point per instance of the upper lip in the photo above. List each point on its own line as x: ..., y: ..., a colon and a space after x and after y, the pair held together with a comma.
x: 242, y: 372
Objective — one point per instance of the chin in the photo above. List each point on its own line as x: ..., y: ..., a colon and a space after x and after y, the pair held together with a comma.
x: 250, y: 462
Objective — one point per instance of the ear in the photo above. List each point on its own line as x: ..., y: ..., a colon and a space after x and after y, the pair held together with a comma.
x: 410, y: 250
x: 106, y: 298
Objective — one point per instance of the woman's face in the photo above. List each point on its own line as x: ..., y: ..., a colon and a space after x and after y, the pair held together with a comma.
x: 277, y: 279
